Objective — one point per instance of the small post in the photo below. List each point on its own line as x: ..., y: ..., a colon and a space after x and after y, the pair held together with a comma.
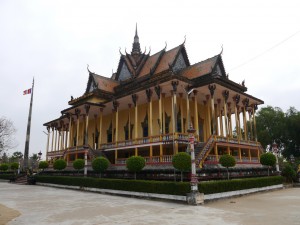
x: 194, y: 197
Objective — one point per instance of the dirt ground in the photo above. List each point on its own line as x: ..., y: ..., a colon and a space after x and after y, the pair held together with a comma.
x: 44, y: 205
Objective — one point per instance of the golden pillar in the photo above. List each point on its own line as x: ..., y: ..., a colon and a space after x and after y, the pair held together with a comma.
x: 254, y: 122
x: 77, y: 112
x: 149, y: 98
x: 221, y: 133
x: 212, y: 89
x: 47, y: 146
x: 225, y: 97
x: 196, y: 119
x: 159, y: 96
x: 229, y: 119
x: 250, y: 122
x: 100, y: 127
x: 245, y: 104
x: 208, y: 116
x: 70, y: 130
x: 174, y: 107
x: 236, y: 100
x: 55, y: 139
x: 116, y: 109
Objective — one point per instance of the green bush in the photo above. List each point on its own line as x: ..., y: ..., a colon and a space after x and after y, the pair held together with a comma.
x: 182, y: 162
x: 227, y: 161
x: 288, y: 172
x: 43, y: 165
x: 135, y: 164
x: 100, y: 164
x: 14, y: 166
x: 7, y: 176
x: 162, y: 187
x: 59, y: 164
x: 78, y: 164
x: 4, y: 166
x: 268, y: 159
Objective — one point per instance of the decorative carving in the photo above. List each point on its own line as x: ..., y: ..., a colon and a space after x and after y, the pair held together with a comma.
x: 255, y: 106
x: 77, y: 112
x: 219, y: 100
x: 115, y: 105
x: 87, y: 109
x: 246, y: 102
x: 134, y: 99
x: 225, y: 94
x: 174, y: 85
x: 236, y: 99
x: 212, y: 89
x: 157, y: 91
x: 149, y: 94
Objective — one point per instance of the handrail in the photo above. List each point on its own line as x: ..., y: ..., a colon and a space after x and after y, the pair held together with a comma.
x: 206, y: 148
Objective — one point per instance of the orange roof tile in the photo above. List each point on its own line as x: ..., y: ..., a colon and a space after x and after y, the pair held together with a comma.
x: 167, y: 58
x: 149, y: 64
x: 104, y: 83
x: 200, y: 68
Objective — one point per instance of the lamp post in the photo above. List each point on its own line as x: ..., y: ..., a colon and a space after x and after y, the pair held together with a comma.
x: 194, y: 197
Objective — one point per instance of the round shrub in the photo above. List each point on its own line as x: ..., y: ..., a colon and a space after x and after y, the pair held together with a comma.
x: 43, y: 165
x: 267, y: 159
x: 227, y: 161
x: 14, y: 166
x: 182, y: 161
x: 135, y: 164
x: 100, y: 164
x: 78, y: 164
x: 4, y: 167
x: 59, y: 164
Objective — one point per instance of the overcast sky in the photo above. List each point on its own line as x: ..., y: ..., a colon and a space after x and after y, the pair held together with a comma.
x: 55, y: 40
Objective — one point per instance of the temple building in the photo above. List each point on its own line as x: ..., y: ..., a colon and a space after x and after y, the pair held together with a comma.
x: 146, y: 107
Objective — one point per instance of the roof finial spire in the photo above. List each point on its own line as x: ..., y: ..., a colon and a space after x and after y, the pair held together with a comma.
x: 136, y: 49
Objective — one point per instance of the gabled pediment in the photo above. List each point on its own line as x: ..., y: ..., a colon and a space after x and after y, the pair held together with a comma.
x: 123, y: 72
x: 218, y: 69
x: 91, y: 85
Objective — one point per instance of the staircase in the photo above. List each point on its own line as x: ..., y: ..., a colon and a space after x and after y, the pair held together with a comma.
x: 202, y: 149
x: 21, y: 180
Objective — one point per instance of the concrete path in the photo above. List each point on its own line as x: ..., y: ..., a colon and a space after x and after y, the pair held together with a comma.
x: 45, y: 205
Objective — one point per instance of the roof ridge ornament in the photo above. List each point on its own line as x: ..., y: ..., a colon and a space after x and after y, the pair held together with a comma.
x: 221, y: 50
x: 184, y: 40
x: 87, y: 67
x: 120, y: 51
x: 166, y: 44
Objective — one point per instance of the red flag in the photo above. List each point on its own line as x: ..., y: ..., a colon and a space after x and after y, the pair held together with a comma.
x: 27, y: 91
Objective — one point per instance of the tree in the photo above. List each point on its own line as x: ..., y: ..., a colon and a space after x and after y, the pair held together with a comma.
x: 4, y: 166
x: 288, y: 172
x: 227, y: 161
x: 16, y: 156
x: 182, y: 162
x: 270, y: 126
x: 292, y: 143
x: 268, y: 159
x: 59, y: 164
x: 7, y: 131
x: 43, y: 165
x: 100, y: 164
x: 78, y: 164
x: 135, y: 164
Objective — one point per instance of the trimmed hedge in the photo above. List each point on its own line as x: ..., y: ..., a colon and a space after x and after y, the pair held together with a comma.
x: 211, y: 187
x: 7, y: 176
x: 162, y: 187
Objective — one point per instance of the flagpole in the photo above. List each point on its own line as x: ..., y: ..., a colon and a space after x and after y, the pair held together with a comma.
x: 26, y: 151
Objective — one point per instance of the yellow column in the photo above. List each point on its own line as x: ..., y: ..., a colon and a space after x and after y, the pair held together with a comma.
x: 163, y: 113
x: 100, y: 127
x: 245, y: 124
x: 225, y: 96
x: 47, y: 146
x: 77, y: 138
x: 181, y: 108
x: 205, y: 122
x: 229, y: 120
x: 239, y: 123
x: 129, y: 122
x: 116, y: 108
x: 208, y: 116
x: 212, y: 89
x: 55, y: 141
x: 249, y: 155
x: 236, y: 100
x: 216, y: 152
x: 196, y: 115
x: 240, y: 155
x: 134, y: 99
x: 254, y: 122
x: 220, y: 117
x: 250, y: 121
x: 70, y: 131
x: 52, y: 139
x: 150, y: 122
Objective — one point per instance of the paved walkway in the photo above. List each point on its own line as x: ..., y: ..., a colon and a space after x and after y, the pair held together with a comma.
x: 45, y: 205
